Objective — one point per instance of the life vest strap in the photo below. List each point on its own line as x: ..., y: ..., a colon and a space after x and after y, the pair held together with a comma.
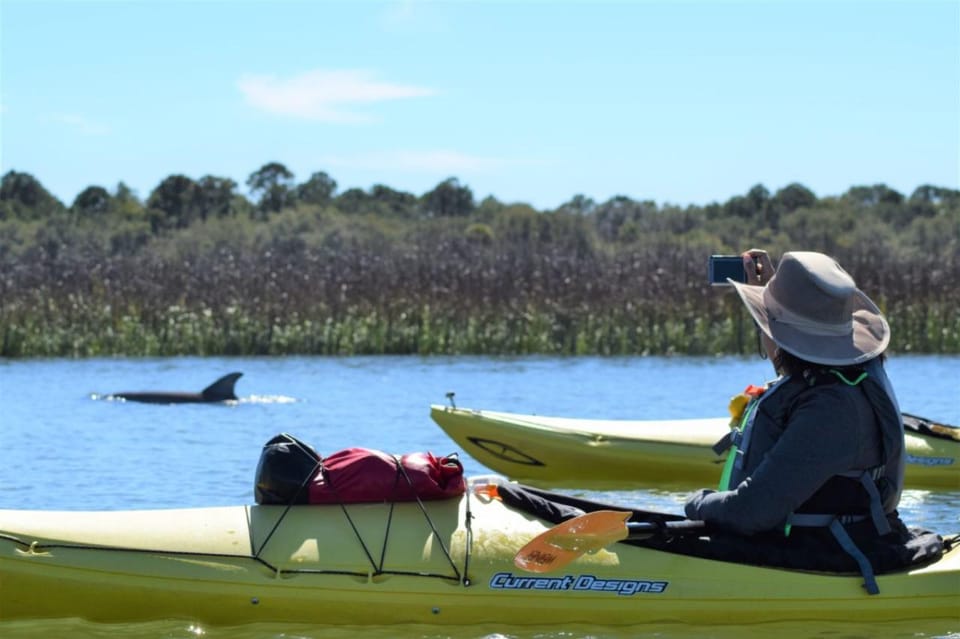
x: 822, y: 520
x: 876, y: 505
x: 868, y: 480
x: 835, y: 524
x: 728, y: 441
x: 866, y: 569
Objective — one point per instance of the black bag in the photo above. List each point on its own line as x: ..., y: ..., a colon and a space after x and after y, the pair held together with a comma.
x: 286, y: 466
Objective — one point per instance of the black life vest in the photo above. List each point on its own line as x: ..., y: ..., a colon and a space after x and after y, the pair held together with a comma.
x: 853, y: 496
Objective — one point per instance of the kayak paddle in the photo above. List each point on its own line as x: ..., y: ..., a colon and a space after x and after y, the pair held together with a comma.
x: 924, y: 426
x: 555, y: 548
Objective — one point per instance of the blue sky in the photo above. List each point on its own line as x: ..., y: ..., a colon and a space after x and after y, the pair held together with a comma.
x: 680, y: 102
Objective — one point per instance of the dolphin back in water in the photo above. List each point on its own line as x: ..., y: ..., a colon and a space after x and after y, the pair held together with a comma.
x: 219, y: 391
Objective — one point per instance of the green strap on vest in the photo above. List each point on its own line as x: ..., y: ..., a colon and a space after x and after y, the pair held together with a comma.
x: 732, y: 453
x: 846, y: 381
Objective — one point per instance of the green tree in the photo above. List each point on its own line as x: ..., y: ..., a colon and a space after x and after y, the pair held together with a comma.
x: 792, y: 197
x: 129, y: 226
x: 127, y: 199
x: 319, y: 189
x: 488, y: 208
x: 758, y: 199
x: 739, y: 206
x: 579, y: 205
x: 273, y: 182
x: 93, y: 202
x: 928, y: 200
x: 353, y: 201
x: 449, y: 199
x: 881, y: 202
x: 174, y: 203
x: 869, y: 196
x: 610, y: 217
x: 930, y: 194
x: 215, y: 196
x: 393, y: 202
x: 23, y: 197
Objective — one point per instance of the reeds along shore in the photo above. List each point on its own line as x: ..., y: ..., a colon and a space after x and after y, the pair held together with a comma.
x: 619, y: 280
x: 453, y: 298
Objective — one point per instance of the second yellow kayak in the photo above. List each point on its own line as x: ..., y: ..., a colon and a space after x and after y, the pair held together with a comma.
x: 607, y: 454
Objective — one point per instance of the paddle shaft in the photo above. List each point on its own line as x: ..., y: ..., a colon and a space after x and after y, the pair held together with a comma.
x: 637, y: 530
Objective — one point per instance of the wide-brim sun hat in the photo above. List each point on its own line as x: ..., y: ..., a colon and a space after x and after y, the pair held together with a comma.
x: 813, y: 309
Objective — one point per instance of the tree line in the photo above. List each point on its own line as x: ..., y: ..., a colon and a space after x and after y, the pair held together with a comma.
x: 298, y: 267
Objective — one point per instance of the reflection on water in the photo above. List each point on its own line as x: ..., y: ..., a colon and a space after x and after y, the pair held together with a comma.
x: 267, y: 399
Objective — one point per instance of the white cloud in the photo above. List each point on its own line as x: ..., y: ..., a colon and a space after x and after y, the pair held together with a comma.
x: 408, y: 16
x: 398, y: 14
x: 418, y: 161
x: 324, y: 95
x: 81, y: 124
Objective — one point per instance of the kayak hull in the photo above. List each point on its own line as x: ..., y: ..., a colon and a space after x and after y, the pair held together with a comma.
x: 383, y: 564
x: 605, y: 454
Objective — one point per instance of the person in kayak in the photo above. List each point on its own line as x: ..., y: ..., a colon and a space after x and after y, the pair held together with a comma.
x: 815, y: 467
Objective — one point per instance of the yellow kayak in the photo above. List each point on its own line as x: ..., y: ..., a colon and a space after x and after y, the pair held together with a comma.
x: 437, y: 562
x: 596, y: 453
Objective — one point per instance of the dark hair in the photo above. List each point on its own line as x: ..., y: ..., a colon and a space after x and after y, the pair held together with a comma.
x: 790, y: 364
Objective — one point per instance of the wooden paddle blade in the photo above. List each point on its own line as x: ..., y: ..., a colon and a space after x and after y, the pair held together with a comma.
x: 557, y: 547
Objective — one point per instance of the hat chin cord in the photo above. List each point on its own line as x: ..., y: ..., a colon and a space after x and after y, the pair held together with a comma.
x: 768, y: 349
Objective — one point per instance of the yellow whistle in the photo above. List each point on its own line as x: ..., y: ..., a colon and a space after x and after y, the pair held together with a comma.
x: 737, y: 405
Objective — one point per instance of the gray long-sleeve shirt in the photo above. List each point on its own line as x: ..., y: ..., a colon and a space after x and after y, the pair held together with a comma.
x: 797, y: 446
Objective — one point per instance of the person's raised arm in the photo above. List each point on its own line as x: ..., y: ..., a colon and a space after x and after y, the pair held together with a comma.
x: 759, y: 270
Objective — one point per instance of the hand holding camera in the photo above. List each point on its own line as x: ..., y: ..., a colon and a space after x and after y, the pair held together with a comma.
x: 750, y: 267
x: 757, y: 267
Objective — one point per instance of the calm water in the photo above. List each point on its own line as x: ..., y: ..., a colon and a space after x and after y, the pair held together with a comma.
x: 64, y: 447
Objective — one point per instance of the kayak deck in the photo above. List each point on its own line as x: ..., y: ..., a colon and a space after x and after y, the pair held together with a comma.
x: 588, y: 453
x: 450, y: 562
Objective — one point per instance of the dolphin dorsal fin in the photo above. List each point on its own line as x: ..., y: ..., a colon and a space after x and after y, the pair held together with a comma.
x: 222, y: 389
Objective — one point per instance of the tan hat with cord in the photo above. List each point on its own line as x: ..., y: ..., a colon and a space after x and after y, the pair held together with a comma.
x: 813, y: 309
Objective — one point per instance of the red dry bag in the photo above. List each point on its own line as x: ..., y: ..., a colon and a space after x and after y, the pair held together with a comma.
x: 356, y: 475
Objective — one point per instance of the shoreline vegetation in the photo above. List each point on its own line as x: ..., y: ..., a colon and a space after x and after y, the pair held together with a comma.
x: 196, y: 268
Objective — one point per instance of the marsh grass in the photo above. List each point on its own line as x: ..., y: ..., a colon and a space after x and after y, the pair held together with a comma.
x: 455, y: 297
